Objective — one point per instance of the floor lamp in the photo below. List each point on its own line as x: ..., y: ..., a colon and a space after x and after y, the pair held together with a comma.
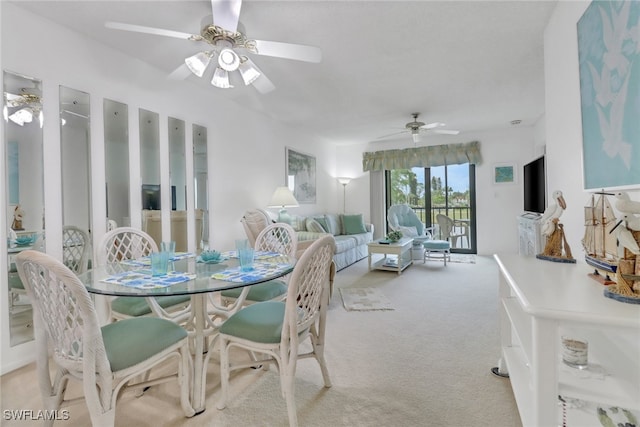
x: 344, y: 182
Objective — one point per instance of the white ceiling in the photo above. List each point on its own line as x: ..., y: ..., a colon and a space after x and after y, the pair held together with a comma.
x: 474, y: 65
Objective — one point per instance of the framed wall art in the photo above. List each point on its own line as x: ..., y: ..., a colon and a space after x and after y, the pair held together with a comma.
x: 301, y: 175
x: 504, y: 173
x: 609, y: 61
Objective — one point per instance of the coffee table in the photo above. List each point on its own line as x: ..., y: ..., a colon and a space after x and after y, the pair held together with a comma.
x: 400, y: 249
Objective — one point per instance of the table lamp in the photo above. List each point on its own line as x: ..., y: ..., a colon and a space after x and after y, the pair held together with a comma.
x: 283, y: 198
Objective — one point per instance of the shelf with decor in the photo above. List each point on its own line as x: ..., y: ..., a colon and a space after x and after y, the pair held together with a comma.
x: 542, y: 301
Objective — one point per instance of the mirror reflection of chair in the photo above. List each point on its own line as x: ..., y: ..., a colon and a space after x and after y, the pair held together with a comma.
x: 452, y: 231
x: 275, y: 329
x: 107, y: 360
x: 129, y: 243
x: 76, y: 247
x: 278, y: 237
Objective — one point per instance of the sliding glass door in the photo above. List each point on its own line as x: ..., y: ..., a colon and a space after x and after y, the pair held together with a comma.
x: 444, y: 199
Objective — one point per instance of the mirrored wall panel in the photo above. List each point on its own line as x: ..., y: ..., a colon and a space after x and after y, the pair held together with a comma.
x: 177, y: 164
x: 116, y: 145
x: 150, y: 173
x: 75, y: 152
x: 22, y: 112
x: 201, y: 184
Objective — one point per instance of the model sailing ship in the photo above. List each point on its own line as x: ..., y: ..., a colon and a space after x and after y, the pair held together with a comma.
x: 599, y: 241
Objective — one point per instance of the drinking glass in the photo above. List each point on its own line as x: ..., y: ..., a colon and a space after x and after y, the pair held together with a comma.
x: 169, y: 247
x: 246, y: 258
x: 159, y: 263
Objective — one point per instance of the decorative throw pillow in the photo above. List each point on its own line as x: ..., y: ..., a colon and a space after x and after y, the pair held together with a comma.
x: 323, y: 222
x: 314, y: 226
x: 353, y: 224
x: 298, y: 223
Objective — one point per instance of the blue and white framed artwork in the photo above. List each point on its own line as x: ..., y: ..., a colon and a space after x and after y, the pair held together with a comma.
x: 609, y: 55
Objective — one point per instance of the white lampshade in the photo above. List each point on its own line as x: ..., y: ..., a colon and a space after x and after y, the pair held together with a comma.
x: 283, y: 198
x: 248, y: 72
x: 198, y: 62
x: 221, y: 79
x: 344, y: 180
x: 416, y: 136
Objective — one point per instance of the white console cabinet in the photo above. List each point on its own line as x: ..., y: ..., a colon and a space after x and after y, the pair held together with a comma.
x: 529, y: 234
x: 540, y: 301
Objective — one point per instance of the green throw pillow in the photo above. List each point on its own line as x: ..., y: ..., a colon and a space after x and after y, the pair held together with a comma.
x: 314, y: 226
x: 353, y: 224
x: 323, y: 222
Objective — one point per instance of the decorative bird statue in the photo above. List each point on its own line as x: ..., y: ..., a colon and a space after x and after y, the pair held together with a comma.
x: 626, y: 240
x: 632, y: 221
x: 625, y: 205
x: 553, y: 211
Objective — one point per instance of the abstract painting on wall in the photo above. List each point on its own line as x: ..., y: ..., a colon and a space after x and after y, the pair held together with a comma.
x: 609, y: 55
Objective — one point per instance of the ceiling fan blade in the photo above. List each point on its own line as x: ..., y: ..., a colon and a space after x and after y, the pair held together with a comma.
x: 433, y: 125
x: 263, y: 84
x: 446, y: 132
x: 392, y: 134
x: 180, y: 73
x: 151, y: 30
x: 289, y: 51
x: 226, y: 13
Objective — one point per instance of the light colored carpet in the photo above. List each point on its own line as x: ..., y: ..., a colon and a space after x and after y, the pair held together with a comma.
x: 364, y: 299
x: 426, y: 363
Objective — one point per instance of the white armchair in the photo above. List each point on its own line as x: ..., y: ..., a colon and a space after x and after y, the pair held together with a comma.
x: 403, y: 218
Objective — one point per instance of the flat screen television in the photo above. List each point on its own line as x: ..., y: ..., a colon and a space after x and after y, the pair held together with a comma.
x: 535, y: 186
x: 151, y: 197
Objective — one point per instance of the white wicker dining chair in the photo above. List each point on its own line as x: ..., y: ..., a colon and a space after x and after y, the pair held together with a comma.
x: 274, y: 329
x: 76, y: 247
x: 125, y: 243
x: 280, y: 238
x: 106, y: 360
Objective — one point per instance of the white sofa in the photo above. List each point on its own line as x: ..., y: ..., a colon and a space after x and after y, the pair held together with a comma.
x: 351, y: 245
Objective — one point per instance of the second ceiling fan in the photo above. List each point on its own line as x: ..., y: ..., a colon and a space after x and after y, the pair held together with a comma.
x: 416, y: 129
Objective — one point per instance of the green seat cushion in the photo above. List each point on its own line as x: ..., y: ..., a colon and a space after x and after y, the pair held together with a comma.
x: 136, y: 306
x: 15, y: 282
x: 131, y: 341
x: 261, y: 292
x: 261, y: 322
x: 437, y: 244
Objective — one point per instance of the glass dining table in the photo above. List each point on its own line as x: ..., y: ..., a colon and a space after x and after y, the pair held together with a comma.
x: 189, y: 276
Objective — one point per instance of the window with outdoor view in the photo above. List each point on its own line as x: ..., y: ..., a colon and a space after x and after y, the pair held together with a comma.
x: 435, y: 192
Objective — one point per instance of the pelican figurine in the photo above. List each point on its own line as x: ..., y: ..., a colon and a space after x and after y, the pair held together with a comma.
x: 552, y: 212
x: 625, y: 205
x: 632, y: 221
x: 626, y: 240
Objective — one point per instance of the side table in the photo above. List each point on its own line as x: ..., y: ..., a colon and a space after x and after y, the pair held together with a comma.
x: 403, y: 249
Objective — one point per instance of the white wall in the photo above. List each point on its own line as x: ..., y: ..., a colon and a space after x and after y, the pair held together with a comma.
x: 563, y: 119
x: 246, y: 163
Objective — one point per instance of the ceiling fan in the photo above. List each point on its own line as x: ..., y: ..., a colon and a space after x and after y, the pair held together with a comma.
x: 416, y: 128
x: 228, y: 46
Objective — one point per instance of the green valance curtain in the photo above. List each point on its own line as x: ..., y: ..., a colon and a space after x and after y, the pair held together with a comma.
x: 438, y: 155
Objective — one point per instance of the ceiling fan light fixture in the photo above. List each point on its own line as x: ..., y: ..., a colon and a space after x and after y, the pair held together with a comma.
x: 228, y: 60
x: 198, y: 62
x: 221, y: 79
x: 248, y: 72
x: 415, y: 134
